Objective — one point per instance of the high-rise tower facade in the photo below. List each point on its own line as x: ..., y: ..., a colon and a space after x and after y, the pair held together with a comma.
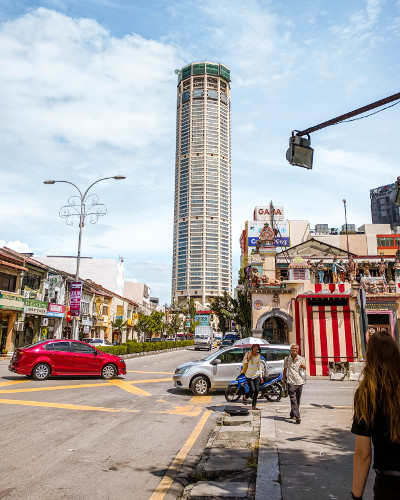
x: 202, y: 253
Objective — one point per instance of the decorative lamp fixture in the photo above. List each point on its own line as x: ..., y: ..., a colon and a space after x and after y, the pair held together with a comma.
x: 300, y: 152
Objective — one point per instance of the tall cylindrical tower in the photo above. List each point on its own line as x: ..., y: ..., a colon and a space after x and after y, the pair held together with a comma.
x: 202, y: 254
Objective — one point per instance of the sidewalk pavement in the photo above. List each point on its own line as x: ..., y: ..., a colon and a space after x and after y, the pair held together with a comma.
x: 307, y: 461
x: 311, y: 460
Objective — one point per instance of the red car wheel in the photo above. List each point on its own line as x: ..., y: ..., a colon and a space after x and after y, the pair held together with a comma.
x: 41, y: 371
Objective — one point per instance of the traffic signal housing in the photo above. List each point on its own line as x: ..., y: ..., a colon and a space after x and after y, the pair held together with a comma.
x: 300, y: 152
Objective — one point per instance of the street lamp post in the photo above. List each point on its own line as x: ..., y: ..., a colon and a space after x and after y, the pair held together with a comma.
x: 85, y: 206
x: 347, y: 231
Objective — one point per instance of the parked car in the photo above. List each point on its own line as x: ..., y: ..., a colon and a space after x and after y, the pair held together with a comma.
x: 221, y: 367
x: 231, y: 336
x: 227, y: 342
x: 65, y: 357
x: 98, y: 342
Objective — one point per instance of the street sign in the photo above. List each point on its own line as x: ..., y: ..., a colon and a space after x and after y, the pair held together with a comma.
x: 75, y: 298
x: 68, y: 316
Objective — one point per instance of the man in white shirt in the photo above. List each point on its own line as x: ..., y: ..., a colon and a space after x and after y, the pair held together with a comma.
x: 291, y: 374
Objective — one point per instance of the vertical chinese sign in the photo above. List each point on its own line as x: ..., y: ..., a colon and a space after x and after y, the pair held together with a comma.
x: 75, y: 298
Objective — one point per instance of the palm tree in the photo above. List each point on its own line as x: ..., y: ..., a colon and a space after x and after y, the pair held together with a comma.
x: 119, y: 325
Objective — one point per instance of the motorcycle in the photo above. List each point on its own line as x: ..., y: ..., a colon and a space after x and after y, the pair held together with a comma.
x: 271, y: 389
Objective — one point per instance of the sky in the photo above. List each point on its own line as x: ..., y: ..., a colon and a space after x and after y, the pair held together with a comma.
x: 88, y: 90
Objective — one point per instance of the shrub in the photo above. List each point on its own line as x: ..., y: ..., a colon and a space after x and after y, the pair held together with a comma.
x: 133, y: 346
x: 115, y: 349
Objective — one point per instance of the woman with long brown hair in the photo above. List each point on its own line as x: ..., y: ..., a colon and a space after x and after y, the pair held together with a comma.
x: 377, y: 419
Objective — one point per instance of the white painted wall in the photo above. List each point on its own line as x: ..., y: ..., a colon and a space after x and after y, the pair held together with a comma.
x: 136, y: 292
x: 108, y: 273
x: 371, y: 230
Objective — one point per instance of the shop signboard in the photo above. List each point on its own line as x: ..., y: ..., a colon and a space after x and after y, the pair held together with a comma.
x: 56, y: 311
x: 282, y: 239
x: 36, y: 307
x: 120, y: 312
x: 87, y: 321
x: 75, y: 298
x: 203, y: 318
x: 265, y: 213
x: 11, y: 302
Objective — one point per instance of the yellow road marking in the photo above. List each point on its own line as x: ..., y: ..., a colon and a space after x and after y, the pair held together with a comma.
x: 12, y: 382
x: 128, y: 387
x: 187, y: 411
x: 173, y: 469
x: 82, y: 386
x: 317, y: 406
x: 54, y: 388
x: 161, y: 373
x: 161, y: 401
x: 150, y: 381
x: 201, y: 400
x: 64, y: 406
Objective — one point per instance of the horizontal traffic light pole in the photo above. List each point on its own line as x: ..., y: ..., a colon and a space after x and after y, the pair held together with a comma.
x: 356, y: 112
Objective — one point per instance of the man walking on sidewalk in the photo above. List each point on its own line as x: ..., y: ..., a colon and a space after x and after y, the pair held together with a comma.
x: 291, y: 374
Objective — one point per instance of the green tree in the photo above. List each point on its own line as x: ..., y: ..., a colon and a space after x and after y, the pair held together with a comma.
x: 119, y: 325
x: 156, y: 323
x: 222, y: 307
x: 192, y: 312
x: 242, y: 305
x: 176, y: 323
x: 142, y: 325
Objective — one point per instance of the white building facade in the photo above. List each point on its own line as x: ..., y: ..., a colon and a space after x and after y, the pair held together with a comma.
x: 202, y: 242
x: 108, y: 273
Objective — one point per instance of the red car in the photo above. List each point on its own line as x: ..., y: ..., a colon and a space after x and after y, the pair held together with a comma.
x: 65, y: 357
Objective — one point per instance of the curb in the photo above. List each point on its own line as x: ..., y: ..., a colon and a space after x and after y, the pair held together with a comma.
x: 268, y: 483
x: 124, y: 356
x: 226, y: 468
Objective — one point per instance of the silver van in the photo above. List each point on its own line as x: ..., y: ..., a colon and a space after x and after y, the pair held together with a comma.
x: 221, y: 367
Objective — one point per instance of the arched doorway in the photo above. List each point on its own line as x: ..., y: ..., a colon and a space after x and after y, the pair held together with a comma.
x: 274, y: 326
x: 275, y: 330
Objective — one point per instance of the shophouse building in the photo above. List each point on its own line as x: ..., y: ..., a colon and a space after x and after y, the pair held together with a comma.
x: 202, y: 243
x: 12, y: 304
x: 34, y: 305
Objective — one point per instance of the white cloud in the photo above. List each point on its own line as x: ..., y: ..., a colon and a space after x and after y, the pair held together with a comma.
x: 79, y: 104
x: 18, y: 246
x: 70, y: 83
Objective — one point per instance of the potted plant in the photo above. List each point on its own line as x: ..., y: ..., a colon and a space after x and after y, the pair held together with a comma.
x: 4, y: 352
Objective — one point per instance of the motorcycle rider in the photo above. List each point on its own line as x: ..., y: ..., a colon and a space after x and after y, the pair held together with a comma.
x: 255, y: 369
